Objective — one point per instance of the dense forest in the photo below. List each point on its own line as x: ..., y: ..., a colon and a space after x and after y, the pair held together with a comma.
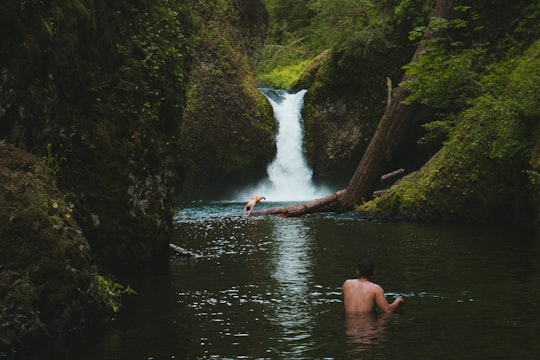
x: 112, y: 111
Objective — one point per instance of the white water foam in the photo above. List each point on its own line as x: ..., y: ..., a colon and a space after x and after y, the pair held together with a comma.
x: 289, y: 176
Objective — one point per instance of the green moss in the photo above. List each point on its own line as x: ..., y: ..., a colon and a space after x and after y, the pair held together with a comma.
x: 36, y: 197
x: 227, y: 127
x: 487, y: 168
x: 285, y: 76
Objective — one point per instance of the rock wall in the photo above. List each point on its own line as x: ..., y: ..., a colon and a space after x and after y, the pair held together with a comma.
x: 47, y: 278
x: 227, y: 133
x: 140, y: 100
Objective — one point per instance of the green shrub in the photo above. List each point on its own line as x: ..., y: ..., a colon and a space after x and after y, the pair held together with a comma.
x: 112, y: 292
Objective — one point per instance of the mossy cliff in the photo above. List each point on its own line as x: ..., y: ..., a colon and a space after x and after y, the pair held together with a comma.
x: 132, y: 102
x: 227, y: 129
x: 142, y: 99
x: 341, y: 110
x: 47, y: 278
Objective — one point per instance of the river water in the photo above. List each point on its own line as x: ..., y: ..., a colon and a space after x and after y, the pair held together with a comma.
x: 269, y: 287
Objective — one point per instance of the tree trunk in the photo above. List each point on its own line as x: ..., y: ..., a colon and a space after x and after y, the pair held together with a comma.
x: 397, y: 119
x: 395, y: 122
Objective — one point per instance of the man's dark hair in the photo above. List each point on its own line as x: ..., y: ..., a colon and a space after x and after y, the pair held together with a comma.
x: 366, y: 267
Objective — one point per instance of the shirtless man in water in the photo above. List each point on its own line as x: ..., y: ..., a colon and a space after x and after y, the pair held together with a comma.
x: 361, y: 295
x: 248, y: 208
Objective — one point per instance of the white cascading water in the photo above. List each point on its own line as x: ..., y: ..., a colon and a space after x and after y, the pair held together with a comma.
x: 289, y: 177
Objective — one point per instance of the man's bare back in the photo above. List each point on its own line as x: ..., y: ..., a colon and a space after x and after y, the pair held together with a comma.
x: 361, y: 295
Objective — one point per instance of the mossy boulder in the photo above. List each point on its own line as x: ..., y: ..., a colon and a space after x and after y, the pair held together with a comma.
x: 47, y: 277
x: 448, y: 188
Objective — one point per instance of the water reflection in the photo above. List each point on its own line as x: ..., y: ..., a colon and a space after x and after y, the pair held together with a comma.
x: 292, y: 270
x: 270, y: 288
x: 366, y: 331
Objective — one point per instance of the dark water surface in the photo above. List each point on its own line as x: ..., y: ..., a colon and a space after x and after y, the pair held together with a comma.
x: 268, y: 287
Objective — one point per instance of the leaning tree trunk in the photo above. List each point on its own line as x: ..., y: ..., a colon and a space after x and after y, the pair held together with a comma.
x: 397, y: 119
x: 387, y: 137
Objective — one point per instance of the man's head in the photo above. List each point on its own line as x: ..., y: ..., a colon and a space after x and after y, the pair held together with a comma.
x: 365, y: 268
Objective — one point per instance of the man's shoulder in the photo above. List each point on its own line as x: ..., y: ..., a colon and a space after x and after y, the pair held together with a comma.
x: 376, y: 287
x: 371, y: 286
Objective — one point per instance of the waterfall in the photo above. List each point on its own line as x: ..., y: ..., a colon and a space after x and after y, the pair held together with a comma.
x: 289, y: 176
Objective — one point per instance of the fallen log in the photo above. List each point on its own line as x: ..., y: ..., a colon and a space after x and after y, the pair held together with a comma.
x: 179, y: 251
x: 392, y: 174
x: 324, y: 204
x: 318, y: 205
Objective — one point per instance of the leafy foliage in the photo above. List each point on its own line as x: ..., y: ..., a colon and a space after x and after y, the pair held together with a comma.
x: 112, y: 291
x: 447, y: 73
x: 457, y: 72
x: 155, y: 52
x: 301, y: 30
x: 54, y: 161
x: 345, y: 19
x: 488, y: 167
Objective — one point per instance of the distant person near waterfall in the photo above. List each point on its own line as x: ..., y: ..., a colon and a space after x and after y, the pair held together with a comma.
x: 362, y: 296
x: 251, y: 204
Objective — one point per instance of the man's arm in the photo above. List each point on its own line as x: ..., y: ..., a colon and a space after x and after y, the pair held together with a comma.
x: 383, y: 304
